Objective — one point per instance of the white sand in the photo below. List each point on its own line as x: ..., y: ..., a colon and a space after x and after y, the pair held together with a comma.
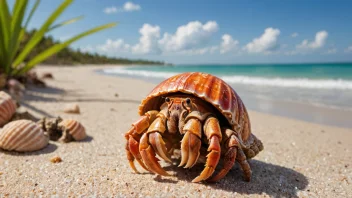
x: 299, y: 159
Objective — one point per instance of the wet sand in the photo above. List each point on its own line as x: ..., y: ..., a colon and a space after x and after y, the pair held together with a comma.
x: 300, y: 159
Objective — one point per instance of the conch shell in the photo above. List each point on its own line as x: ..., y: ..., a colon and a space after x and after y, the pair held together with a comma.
x: 22, y: 136
x: 74, y: 128
x: 7, y: 108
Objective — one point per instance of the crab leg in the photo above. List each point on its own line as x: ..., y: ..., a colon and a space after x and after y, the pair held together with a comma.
x: 213, y: 134
x: 242, y: 160
x: 155, y: 139
x: 133, y: 149
x: 230, y: 155
x: 191, y: 142
x: 149, y: 158
x: 130, y: 158
x: 134, y: 134
x: 152, y: 143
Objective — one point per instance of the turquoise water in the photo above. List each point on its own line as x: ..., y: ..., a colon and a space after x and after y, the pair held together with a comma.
x: 297, y: 90
x: 311, y: 71
x: 336, y: 76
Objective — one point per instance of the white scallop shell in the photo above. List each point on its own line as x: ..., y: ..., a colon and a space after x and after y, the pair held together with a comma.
x: 22, y: 136
x: 7, y: 108
x: 75, y: 128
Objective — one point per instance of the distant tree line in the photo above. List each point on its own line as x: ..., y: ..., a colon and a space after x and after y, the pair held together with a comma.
x: 69, y: 56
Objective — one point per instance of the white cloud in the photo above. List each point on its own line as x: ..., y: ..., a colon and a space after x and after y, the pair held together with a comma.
x: 188, y: 40
x: 110, y: 10
x: 148, y: 42
x: 227, y: 44
x: 266, y: 43
x: 130, y: 7
x: 294, y: 35
x: 127, y: 7
x: 348, y: 49
x: 331, y: 51
x: 319, y: 42
x: 187, y: 37
x: 114, y: 46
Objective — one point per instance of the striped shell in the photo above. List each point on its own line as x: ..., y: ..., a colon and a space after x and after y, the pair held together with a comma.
x: 75, y: 128
x: 22, y: 136
x: 208, y: 87
x: 7, y: 108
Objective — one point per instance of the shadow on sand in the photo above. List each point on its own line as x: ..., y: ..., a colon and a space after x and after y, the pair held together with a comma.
x: 48, y: 149
x: 33, y: 108
x: 35, y: 94
x: 87, y: 139
x: 46, y: 90
x: 274, y: 180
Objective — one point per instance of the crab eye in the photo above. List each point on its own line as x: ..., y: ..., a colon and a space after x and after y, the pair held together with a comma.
x: 188, y: 101
x: 167, y: 99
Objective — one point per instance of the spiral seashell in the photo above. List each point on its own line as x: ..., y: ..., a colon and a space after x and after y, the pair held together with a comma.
x: 75, y: 129
x: 22, y: 136
x: 7, y: 108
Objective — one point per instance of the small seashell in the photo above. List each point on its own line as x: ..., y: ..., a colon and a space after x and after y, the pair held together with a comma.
x: 75, y: 129
x: 72, y: 108
x: 7, y: 108
x: 47, y: 75
x: 56, y: 159
x: 22, y: 136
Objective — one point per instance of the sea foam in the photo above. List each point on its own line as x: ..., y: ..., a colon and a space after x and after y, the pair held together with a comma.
x: 250, y: 80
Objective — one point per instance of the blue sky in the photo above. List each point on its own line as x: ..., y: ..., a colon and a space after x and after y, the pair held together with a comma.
x: 203, y: 31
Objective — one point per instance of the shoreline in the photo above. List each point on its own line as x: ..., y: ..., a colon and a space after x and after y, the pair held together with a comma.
x: 313, y: 113
x: 300, y: 159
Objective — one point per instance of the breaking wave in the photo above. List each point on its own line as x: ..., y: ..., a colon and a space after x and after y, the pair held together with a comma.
x: 250, y: 80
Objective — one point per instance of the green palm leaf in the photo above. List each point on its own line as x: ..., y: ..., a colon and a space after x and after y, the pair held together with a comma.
x: 56, y: 48
x: 40, y: 33
x: 13, y: 29
x: 65, y: 23
x: 5, y: 27
x: 34, y: 8
x: 16, y: 29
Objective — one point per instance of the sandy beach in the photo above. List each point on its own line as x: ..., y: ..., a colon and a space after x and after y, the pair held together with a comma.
x: 299, y: 159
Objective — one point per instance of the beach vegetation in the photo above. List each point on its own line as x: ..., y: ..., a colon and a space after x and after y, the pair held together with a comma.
x: 70, y: 56
x: 18, y: 57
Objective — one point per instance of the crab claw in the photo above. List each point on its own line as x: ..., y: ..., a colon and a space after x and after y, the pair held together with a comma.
x: 158, y: 144
x: 212, y: 160
x: 133, y: 149
x: 131, y: 159
x: 148, y: 156
x: 190, y: 147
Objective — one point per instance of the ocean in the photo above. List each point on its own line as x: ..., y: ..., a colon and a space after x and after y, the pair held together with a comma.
x: 320, y: 93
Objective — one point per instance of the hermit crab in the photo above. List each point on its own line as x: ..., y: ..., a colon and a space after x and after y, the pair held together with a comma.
x: 199, y: 114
